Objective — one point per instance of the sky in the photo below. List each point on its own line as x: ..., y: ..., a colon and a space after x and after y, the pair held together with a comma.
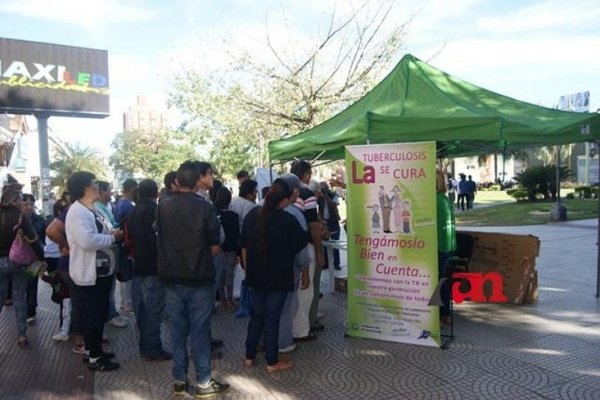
x: 535, y: 51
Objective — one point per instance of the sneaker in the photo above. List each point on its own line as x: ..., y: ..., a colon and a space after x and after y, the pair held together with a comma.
x: 317, y: 327
x: 214, y: 388
x: 162, y: 356
x: 288, y: 349
x: 179, y: 388
x: 31, y: 320
x: 61, y: 337
x: 118, y: 322
x: 103, y: 365
x: 104, y: 356
x: 79, y: 349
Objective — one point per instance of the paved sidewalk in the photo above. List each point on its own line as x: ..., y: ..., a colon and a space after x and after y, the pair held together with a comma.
x: 549, y: 350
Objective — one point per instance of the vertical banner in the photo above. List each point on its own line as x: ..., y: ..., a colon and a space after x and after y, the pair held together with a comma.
x: 392, y: 242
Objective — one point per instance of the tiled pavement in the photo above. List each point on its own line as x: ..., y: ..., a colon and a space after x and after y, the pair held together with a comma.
x: 549, y: 350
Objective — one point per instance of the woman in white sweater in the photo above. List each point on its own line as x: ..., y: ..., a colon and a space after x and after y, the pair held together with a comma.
x: 91, y: 264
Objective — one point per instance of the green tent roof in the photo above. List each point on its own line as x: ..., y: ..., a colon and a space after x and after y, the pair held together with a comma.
x: 417, y: 102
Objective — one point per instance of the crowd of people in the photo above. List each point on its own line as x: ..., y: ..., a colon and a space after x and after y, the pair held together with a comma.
x: 174, y: 252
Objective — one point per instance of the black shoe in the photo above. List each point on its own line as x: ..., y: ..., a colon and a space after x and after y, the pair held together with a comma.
x: 317, y: 327
x: 103, y: 365
x: 215, y: 343
x: 162, y: 356
x: 338, y: 268
x: 214, y: 388
x: 179, y: 388
x: 104, y: 356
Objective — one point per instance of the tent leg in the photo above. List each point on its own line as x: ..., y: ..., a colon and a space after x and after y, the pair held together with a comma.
x: 598, y: 239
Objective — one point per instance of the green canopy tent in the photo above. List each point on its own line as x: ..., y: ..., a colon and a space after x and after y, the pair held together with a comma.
x: 417, y: 102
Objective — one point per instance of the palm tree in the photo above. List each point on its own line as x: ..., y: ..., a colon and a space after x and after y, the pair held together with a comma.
x: 69, y: 158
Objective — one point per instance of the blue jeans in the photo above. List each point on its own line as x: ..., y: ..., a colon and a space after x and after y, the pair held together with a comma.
x: 267, y: 306
x: 15, y: 272
x: 148, y: 296
x: 189, y: 310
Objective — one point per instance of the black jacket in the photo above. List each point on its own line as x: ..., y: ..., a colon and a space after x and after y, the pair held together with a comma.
x: 187, y: 226
x: 143, y: 237
x: 285, y: 238
x: 231, y: 227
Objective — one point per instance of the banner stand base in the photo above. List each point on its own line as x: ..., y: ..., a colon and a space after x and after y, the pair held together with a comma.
x: 450, y: 337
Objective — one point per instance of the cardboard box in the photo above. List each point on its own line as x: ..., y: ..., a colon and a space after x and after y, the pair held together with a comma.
x: 513, y: 256
x: 532, y: 291
x: 341, y: 285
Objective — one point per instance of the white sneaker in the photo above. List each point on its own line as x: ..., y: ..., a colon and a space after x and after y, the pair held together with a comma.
x: 288, y: 349
x: 61, y: 337
x: 118, y: 322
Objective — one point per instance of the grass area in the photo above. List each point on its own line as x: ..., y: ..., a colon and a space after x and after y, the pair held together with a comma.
x: 523, y: 213
x: 489, y: 197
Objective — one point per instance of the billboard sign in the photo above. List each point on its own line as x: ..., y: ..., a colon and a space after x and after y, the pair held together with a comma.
x: 53, y: 79
x: 577, y: 102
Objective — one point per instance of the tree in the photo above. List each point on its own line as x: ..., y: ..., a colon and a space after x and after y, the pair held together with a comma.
x: 297, y: 87
x: 69, y: 158
x: 541, y: 179
x: 150, y: 154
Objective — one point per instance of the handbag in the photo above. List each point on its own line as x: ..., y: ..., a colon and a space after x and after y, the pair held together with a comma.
x: 20, y: 251
x: 245, y: 304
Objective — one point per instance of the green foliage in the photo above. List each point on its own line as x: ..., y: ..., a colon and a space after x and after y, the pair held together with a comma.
x: 151, y: 155
x: 495, y: 188
x: 570, y: 196
x: 584, y: 192
x: 525, y: 213
x: 519, y: 194
x: 68, y: 158
x: 511, y: 191
x: 541, y: 180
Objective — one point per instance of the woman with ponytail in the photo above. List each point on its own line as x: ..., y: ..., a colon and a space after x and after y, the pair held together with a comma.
x: 270, y: 239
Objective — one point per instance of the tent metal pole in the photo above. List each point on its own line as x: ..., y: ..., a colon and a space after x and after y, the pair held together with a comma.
x: 598, y: 238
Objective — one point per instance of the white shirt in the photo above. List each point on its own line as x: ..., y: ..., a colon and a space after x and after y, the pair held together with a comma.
x: 241, y: 207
